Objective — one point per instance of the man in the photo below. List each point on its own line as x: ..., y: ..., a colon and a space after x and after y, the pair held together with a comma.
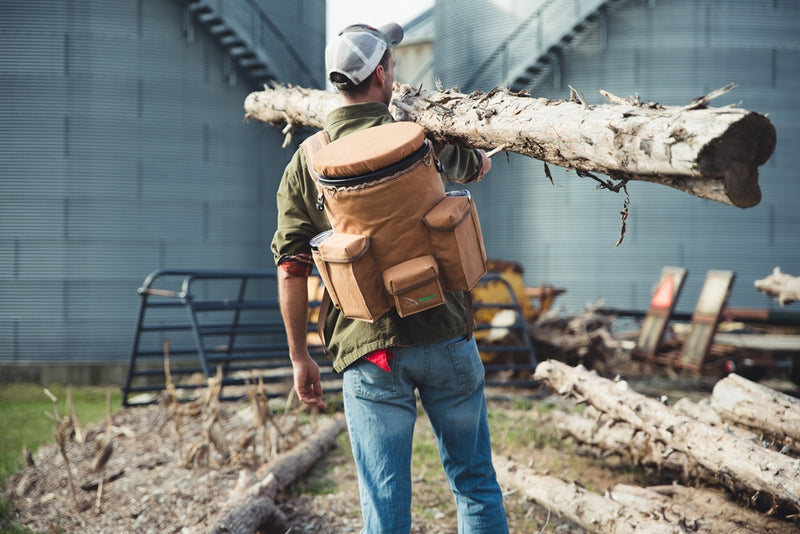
x: 385, y: 362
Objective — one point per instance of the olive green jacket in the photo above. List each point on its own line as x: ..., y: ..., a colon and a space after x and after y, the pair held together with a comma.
x: 299, y: 220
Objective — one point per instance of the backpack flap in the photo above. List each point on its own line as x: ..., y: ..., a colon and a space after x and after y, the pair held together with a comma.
x: 369, y: 151
x: 415, y: 285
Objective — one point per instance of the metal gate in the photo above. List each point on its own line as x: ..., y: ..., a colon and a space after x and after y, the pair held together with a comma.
x: 195, y: 325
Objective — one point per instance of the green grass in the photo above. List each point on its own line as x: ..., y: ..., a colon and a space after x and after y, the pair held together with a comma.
x: 23, y: 422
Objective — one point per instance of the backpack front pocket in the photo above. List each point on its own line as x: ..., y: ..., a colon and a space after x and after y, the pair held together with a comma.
x: 414, y: 284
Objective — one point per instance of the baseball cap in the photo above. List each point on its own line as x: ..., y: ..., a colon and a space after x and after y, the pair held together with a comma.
x: 357, y: 50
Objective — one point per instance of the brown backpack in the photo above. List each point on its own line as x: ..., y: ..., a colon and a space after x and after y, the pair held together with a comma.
x: 397, y: 239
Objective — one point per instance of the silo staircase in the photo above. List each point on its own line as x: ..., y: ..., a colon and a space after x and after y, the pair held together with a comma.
x: 550, y: 29
x: 243, y: 30
x: 588, y: 14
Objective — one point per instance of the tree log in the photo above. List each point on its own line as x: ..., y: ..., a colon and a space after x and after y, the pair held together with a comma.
x: 628, y: 509
x: 784, y: 287
x: 703, y: 412
x: 698, y: 508
x: 713, y: 153
x: 589, y: 510
x: 608, y: 437
x: 747, y: 403
x: 254, y: 509
x: 744, y: 463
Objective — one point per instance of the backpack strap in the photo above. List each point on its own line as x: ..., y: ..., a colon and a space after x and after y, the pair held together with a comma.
x: 470, y: 313
x: 310, y: 147
x: 322, y: 315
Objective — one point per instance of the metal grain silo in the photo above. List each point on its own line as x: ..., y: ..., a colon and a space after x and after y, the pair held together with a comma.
x: 123, y: 150
x: 668, y: 52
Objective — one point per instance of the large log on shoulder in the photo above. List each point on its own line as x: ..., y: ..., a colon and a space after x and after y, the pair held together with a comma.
x: 713, y: 153
x: 742, y: 462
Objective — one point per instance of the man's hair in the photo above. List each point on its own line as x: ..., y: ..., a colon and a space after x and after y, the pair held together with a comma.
x: 344, y: 85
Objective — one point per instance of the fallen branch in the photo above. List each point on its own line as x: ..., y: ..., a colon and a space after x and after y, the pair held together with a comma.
x: 254, y: 509
x: 712, y: 153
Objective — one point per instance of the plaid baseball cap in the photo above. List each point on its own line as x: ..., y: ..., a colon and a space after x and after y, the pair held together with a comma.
x: 357, y: 50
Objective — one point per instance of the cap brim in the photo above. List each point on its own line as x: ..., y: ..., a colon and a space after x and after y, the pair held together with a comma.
x: 393, y: 33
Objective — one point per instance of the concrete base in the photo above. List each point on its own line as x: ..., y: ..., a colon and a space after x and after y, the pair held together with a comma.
x: 83, y: 374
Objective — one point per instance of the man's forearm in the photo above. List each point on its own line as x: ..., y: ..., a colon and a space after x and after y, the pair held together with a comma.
x: 293, y: 299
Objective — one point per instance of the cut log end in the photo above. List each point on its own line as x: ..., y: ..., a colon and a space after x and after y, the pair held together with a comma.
x: 736, y: 155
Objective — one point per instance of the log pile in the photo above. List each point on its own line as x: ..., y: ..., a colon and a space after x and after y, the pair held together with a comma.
x: 743, y: 439
x: 712, y: 153
x: 584, y: 338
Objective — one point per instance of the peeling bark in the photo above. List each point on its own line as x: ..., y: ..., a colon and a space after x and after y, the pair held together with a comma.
x: 712, y: 153
x: 609, y: 437
x: 698, y: 509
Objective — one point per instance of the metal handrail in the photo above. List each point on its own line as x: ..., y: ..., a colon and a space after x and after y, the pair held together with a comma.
x: 548, y: 34
x: 260, y: 24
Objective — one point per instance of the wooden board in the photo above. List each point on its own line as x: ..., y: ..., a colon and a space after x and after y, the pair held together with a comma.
x: 666, y: 293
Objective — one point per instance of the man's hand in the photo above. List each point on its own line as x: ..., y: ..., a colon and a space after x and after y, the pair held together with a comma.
x: 486, y: 163
x: 307, y: 381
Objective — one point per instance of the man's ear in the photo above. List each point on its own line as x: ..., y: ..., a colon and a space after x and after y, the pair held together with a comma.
x: 380, y: 74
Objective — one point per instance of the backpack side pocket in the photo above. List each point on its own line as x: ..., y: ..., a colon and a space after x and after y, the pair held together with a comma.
x: 457, y: 241
x: 348, y: 270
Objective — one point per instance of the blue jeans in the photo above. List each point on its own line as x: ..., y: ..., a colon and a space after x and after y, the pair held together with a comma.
x: 381, y: 410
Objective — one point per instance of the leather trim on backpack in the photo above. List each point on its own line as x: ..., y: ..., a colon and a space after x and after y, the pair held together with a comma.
x: 311, y: 146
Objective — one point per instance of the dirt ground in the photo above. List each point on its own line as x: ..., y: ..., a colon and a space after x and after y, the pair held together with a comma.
x: 152, y: 485
x: 151, y: 488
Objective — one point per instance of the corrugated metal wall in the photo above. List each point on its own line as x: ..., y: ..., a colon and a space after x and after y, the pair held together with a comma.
x: 123, y: 150
x: 669, y: 52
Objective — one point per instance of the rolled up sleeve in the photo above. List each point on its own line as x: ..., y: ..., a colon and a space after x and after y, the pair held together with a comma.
x: 462, y: 165
x: 298, y: 220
